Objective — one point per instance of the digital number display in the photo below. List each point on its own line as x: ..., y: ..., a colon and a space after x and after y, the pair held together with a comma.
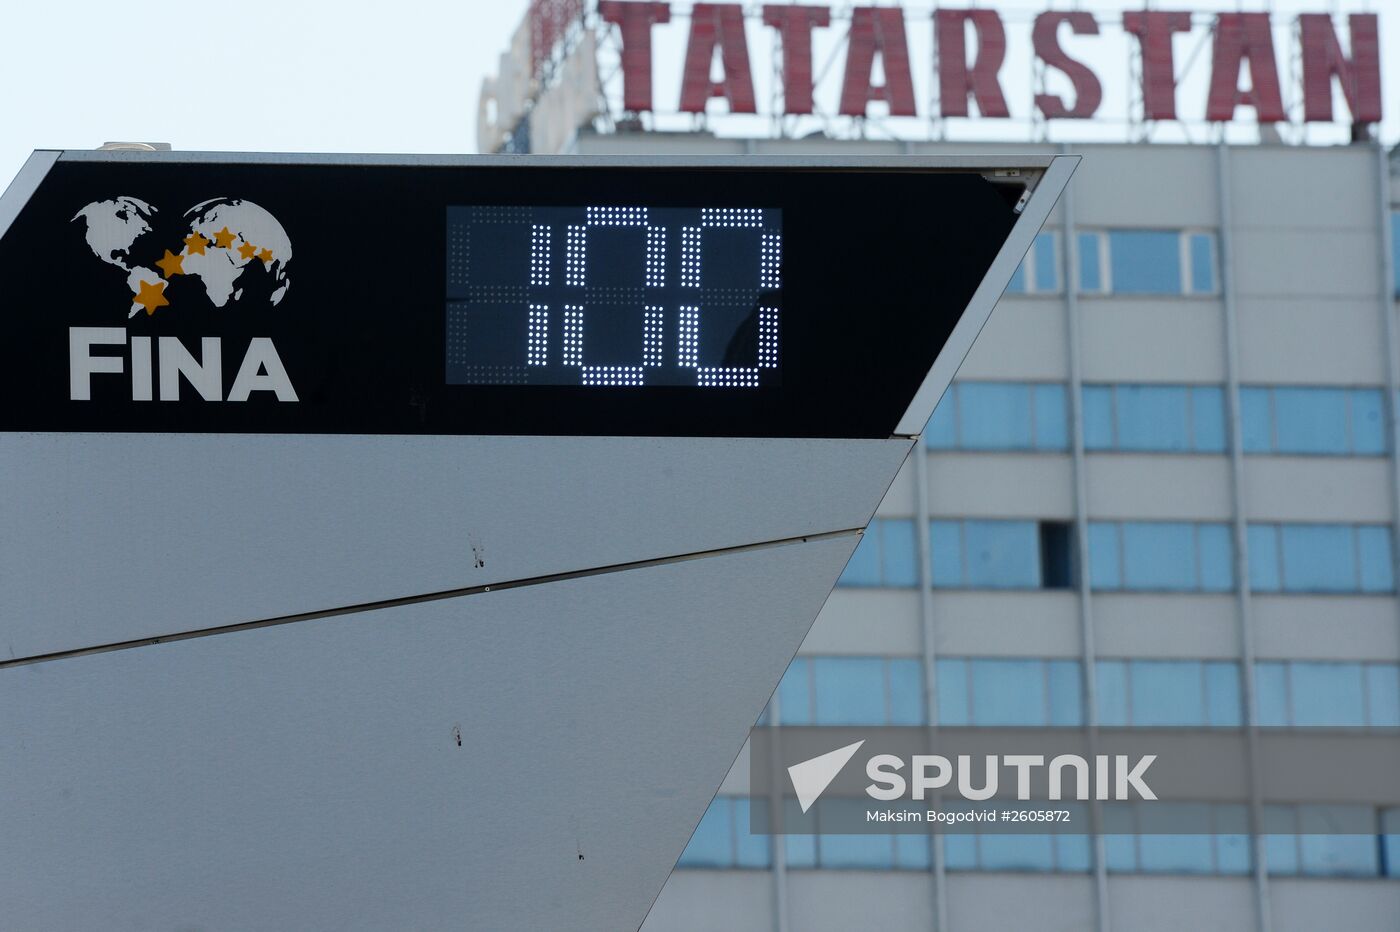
x: 614, y: 296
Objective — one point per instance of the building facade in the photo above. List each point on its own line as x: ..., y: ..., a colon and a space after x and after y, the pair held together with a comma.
x: 1163, y: 490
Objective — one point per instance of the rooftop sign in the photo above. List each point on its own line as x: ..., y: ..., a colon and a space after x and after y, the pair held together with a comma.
x: 653, y: 61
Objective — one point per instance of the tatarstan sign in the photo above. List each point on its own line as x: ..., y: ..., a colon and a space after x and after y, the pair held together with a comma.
x: 970, y: 48
x: 655, y: 65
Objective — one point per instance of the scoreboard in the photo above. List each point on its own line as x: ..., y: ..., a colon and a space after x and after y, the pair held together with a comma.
x: 411, y: 542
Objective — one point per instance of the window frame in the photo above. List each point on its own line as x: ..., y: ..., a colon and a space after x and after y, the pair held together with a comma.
x: 1185, y: 262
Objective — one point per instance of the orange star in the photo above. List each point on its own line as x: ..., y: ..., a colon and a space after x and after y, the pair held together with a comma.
x: 224, y: 239
x: 247, y: 250
x: 170, y: 265
x: 265, y: 255
x: 196, y: 242
x: 151, y: 297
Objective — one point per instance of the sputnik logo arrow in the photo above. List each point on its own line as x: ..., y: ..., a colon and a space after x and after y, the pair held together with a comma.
x: 811, y: 777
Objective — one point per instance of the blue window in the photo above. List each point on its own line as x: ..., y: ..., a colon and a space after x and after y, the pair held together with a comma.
x: 1017, y: 852
x: 996, y: 691
x: 1065, y: 689
x: 831, y: 849
x: 849, y: 690
x: 1327, y: 558
x: 852, y: 691
x: 1327, y: 694
x: 1265, y: 570
x: 1002, y: 554
x: 1154, y: 418
x: 1313, y: 420
x: 941, y: 431
x: 954, y: 692
x: 1148, y: 262
x: 1166, y: 692
x: 1390, y: 841
x: 1008, y: 692
x: 960, y: 852
x: 1136, y: 843
x: 1233, y: 845
x: 1383, y: 694
x: 1395, y: 248
x: 999, y: 416
x: 1090, y: 262
x: 1257, y: 417
x: 1374, y: 555
x: 1305, y: 840
x: 1169, y: 692
x: 1105, y: 562
x: 886, y: 556
x: 994, y: 415
x: 722, y: 839
x: 1040, y: 853
x: 1334, y: 855
x: 1202, y: 258
x: 867, y: 852
x: 1223, y: 698
x: 1160, y: 556
x: 985, y: 554
x: 1178, y: 854
x: 1207, y: 419
x: 1114, y: 710
x: 1145, y: 262
x: 1367, y: 421
x: 1319, y: 693
x: 1039, y: 272
x: 1271, y: 684
x: 1216, y: 554
x: 1099, y: 432
x: 1051, y: 423
x: 912, y: 852
x: 945, y: 551
x: 1310, y: 420
x: 801, y: 849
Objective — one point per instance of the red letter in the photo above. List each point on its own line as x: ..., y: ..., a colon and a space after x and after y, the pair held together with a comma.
x: 1244, y: 37
x: 1154, y: 32
x: 1087, y: 90
x: 1323, y: 58
x: 955, y: 80
x: 635, y: 21
x: 795, y: 25
x: 719, y: 24
x: 877, y: 29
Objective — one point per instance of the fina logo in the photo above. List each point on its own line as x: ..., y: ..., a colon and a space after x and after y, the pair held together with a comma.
x: 235, y: 249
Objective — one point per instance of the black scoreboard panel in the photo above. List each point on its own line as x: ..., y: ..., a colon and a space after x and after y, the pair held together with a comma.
x: 614, y: 297
x: 491, y: 299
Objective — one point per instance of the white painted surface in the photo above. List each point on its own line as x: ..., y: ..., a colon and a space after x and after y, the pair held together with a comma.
x: 307, y: 776
x: 111, y: 537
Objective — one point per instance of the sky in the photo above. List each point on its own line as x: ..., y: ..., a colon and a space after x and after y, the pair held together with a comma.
x: 359, y: 75
x: 289, y: 75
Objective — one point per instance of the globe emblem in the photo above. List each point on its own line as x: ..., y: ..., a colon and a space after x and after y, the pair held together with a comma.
x: 225, y: 243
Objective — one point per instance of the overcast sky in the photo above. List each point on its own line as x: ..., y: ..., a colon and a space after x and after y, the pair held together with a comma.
x: 329, y: 75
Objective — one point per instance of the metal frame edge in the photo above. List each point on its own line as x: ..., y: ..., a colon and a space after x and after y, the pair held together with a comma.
x: 22, y: 188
